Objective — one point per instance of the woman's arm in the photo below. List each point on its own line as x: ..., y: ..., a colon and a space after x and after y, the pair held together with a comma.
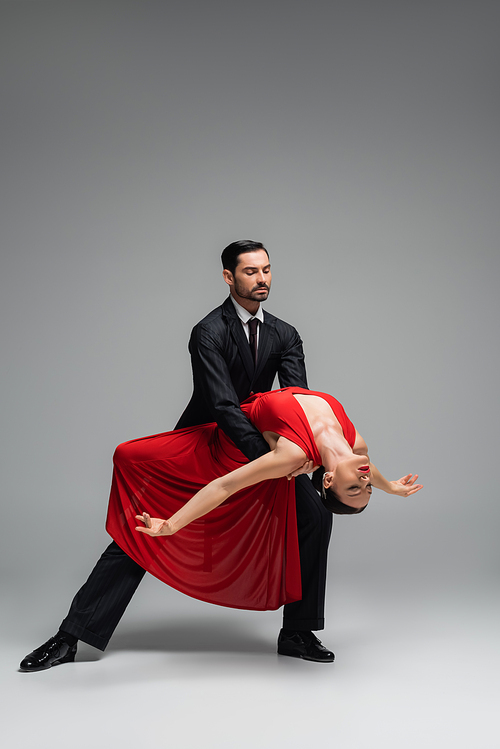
x: 286, y: 458
x: 403, y: 487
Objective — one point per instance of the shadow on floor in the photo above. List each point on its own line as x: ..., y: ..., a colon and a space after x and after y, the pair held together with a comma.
x: 208, y: 637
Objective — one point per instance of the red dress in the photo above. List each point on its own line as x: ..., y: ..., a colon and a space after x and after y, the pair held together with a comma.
x: 243, y: 554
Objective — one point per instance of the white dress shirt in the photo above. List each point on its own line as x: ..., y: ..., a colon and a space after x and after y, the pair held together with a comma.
x: 245, y: 316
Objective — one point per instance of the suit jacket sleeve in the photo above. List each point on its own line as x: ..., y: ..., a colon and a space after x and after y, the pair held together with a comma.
x: 215, y: 380
x: 292, y: 369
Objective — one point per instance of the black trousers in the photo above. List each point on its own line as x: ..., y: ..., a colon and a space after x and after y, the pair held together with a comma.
x: 100, y: 603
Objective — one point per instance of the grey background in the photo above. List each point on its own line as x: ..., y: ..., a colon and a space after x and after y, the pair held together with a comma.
x: 359, y: 141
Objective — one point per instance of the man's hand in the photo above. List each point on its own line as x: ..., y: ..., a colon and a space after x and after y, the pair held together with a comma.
x: 405, y: 486
x: 307, y: 467
x: 154, y: 526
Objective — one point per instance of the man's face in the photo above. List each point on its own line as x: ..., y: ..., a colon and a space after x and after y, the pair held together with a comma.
x: 252, y: 277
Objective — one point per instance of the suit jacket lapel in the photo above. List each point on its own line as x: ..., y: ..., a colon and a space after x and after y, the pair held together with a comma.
x: 240, y: 338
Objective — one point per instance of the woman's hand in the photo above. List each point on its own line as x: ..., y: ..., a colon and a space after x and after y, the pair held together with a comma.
x: 154, y: 526
x: 405, y: 486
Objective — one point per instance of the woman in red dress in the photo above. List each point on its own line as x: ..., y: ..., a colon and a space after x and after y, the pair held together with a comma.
x: 230, y: 533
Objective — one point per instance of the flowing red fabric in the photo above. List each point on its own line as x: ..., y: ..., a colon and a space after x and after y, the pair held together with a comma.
x: 243, y: 554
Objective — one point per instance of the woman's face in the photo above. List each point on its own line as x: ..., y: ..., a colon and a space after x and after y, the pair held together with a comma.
x: 351, y: 479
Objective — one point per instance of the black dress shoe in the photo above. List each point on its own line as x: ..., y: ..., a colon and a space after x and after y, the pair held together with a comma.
x: 304, y: 645
x: 54, y: 651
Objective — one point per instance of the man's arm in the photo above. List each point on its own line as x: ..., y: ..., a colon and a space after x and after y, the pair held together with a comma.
x: 292, y: 368
x: 215, y: 380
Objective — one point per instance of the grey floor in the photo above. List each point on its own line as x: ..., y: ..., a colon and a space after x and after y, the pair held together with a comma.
x: 414, y: 668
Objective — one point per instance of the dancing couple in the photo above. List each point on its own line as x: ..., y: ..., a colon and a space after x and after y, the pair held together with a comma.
x: 221, y: 508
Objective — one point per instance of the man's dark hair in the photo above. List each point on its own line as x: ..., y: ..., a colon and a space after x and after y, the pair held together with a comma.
x: 330, y: 498
x: 232, y: 252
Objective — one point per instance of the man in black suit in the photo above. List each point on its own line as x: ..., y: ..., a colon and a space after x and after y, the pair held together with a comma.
x: 236, y: 350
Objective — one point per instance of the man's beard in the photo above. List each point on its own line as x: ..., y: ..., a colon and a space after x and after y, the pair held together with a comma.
x: 253, y: 295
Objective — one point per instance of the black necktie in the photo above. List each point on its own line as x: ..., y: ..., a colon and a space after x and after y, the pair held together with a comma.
x: 253, y: 324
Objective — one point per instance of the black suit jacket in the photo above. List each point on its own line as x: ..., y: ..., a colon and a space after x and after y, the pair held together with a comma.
x: 224, y: 373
